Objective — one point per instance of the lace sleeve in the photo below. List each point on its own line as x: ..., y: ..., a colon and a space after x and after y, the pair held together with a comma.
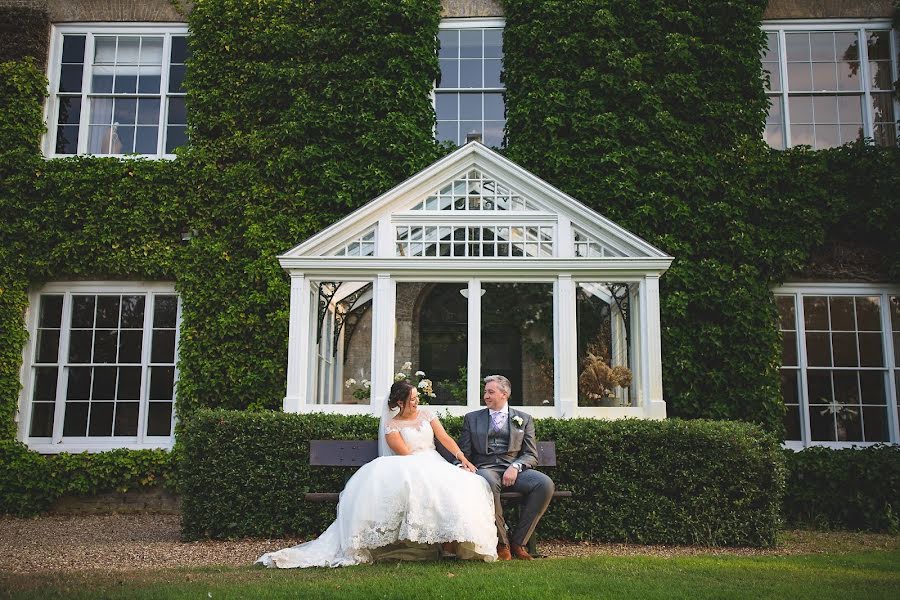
x: 427, y: 415
x: 391, y: 427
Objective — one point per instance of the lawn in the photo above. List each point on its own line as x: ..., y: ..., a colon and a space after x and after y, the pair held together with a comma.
x: 869, y: 575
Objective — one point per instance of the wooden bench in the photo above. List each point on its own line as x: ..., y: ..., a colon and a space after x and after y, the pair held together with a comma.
x: 355, y: 453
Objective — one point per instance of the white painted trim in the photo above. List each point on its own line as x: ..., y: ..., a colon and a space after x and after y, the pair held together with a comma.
x: 824, y: 24
x: 797, y: 291
x: 298, y: 346
x: 56, y: 443
x: 54, y: 59
x: 475, y: 155
x: 565, y: 347
x: 472, y: 23
x: 383, y: 340
x: 473, y: 340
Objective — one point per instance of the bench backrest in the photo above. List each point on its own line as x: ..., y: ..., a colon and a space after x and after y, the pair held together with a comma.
x: 355, y: 453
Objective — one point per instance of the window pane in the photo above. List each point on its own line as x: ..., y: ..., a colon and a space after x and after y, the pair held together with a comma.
x: 493, y: 43
x: 844, y: 347
x: 102, y: 111
x: 872, y: 386
x: 70, y: 78
x: 47, y: 345
x: 815, y: 312
x: 80, y: 342
x: 159, y: 419
x: 788, y: 348
x: 73, y: 49
x: 180, y: 51
x: 470, y: 43
x: 493, y: 107
x: 79, y: 385
x: 517, y: 339
x: 104, y: 387
x: 797, y: 46
x: 145, y: 141
x: 470, y: 107
x: 104, y: 49
x: 177, y: 114
x: 446, y: 106
x: 818, y: 351
x: 176, y: 79
x: 129, y: 383
x: 44, y: 383
x: 449, y: 73
x: 67, y: 139
x: 82, y: 311
x: 151, y: 50
x: 163, y: 349
x: 75, y: 420
x: 876, y: 423
x: 126, y: 418
x: 42, y: 416
x: 799, y: 77
x: 176, y: 136
x: 107, y: 311
x: 105, y: 345
x: 870, y: 354
x: 130, y: 345
x: 69, y: 110
x: 449, y: 43
x: 132, y: 312
x: 470, y: 73
x: 165, y: 311
x: 790, y: 386
x: 101, y: 419
x: 821, y: 424
x: 162, y: 383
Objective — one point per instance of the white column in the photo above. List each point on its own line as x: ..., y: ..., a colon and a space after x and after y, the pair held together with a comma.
x: 650, y: 349
x: 566, y: 344
x: 384, y: 295
x: 295, y: 399
x: 473, y: 356
x: 384, y: 238
x: 565, y: 238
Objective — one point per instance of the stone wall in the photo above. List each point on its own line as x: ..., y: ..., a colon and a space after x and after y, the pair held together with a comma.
x: 155, y: 499
x: 828, y: 9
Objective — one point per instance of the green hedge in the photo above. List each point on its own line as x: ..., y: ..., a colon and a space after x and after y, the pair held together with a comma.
x: 660, y: 482
x: 30, y: 482
x: 854, y: 488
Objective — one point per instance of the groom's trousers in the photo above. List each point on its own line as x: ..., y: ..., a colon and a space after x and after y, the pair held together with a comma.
x: 537, y: 491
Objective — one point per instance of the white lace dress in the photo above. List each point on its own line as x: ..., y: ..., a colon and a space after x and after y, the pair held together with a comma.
x: 420, y: 499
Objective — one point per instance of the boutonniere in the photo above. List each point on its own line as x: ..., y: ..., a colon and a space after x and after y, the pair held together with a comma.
x: 517, y: 420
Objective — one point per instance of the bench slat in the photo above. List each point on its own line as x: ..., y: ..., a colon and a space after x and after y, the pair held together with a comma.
x: 355, y: 453
x: 333, y: 496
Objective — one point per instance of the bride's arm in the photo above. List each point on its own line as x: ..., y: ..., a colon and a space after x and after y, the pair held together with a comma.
x: 448, y: 442
x: 396, y: 443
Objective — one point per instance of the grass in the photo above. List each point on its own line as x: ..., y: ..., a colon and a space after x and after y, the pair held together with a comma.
x: 869, y: 575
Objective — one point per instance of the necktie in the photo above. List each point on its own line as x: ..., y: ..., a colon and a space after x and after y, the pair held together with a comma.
x: 497, y: 419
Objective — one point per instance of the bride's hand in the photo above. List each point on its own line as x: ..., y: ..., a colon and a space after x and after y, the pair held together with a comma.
x: 468, y: 466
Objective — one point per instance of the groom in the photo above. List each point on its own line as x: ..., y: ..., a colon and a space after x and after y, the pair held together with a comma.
x: 500, y: 442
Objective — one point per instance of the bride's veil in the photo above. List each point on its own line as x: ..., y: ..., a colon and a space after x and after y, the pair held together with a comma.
x: 386, y: 415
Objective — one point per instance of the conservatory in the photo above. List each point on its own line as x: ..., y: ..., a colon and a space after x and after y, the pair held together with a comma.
x: 469, y: 268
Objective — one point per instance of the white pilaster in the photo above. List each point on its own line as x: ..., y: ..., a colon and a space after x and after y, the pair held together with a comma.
x: 651, y: 350
x: 566, y: 343
x: 384, y: 238
x: 473, y: 357
x: 384, y: 325
x: 565, y: 239
x: 295, y: 399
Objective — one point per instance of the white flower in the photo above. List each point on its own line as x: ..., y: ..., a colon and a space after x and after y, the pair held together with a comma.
x: 366, y: 383
x: 423, y: 384
x: 399, y: 376
x: 349, y: 382
x: 406, y: 366
x: 517, y: 420
x: 420, y: 373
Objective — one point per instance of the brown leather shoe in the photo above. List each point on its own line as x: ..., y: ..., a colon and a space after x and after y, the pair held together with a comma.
x: 520, y: 552
x: 503, y: 552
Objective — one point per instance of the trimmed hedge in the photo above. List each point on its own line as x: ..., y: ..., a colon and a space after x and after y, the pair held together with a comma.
x: 31, y: 482
x: 661, y: 482
x: 854, y: 488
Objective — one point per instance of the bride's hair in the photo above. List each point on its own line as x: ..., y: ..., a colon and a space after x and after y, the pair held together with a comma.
x: 399, y: 393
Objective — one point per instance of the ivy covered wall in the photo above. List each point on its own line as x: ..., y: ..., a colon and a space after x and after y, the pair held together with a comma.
x: 651, y: 112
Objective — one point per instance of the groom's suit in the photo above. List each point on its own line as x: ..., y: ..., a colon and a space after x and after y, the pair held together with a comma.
x: 492, y: 451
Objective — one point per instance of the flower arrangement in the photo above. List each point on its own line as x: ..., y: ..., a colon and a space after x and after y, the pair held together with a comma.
x: 598, y: 380
x: 518, y: 420
x: 424, y: 385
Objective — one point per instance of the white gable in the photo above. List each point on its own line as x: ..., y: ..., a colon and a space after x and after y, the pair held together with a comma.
x: 473, y: 205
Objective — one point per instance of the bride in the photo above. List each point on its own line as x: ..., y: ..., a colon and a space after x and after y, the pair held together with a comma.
x: 405, y: 501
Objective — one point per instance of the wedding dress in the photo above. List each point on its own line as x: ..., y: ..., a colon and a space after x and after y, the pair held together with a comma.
x: 418, y: 500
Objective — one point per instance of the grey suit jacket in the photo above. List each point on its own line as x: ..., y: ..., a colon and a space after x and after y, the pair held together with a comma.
x: 522, y: 443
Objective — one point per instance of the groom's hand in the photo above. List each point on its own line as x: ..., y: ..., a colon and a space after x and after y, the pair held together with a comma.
x: 509, y: 476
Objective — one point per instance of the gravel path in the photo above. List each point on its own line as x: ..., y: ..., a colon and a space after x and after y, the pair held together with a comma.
x: 58, y: 543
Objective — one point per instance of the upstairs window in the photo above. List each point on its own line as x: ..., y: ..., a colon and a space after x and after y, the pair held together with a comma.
x: 830, y: 84
x: 469, y: 96
x: 117, y: 90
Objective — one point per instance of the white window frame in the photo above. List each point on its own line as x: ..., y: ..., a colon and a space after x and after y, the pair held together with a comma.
x: 859, y: 26
x: 469, y: 23
x: 54, y: 64
x: 57, y: 443
x: 884, y: 291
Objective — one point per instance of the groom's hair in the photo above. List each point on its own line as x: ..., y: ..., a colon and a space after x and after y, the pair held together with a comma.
x: 500, y: 380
